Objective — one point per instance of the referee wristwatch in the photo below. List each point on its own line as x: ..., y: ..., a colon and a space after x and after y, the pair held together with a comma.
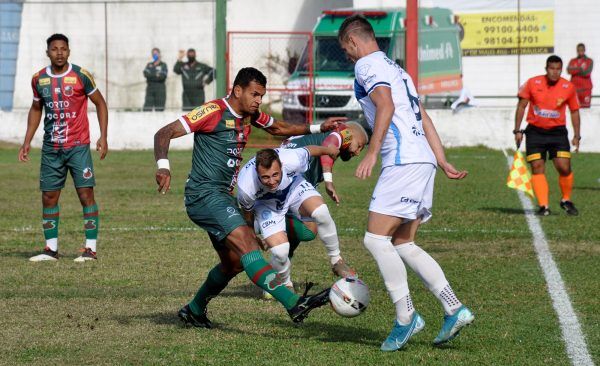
x: 518, y: 131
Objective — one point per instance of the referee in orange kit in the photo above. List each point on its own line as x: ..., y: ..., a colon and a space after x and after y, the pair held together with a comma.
x: 547, y: 133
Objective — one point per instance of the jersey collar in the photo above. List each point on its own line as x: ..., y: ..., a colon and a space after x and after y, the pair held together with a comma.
x: 231, y: 109
x: 49, y: 72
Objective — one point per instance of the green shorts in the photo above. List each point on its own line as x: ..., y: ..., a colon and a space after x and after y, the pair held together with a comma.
x: 56, y: 162
x: 216, y: 212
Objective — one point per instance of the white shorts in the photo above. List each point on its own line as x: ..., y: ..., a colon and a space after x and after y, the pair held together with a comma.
x: 405, y: 191
x: 271, y: 217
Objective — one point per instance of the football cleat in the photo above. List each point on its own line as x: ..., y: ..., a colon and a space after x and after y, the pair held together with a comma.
x: 453, y: 324
x: 343, y: 270
x: 543, y: 211
x: 400, y: 334
x: 306, y: 304
x: 47, y: 255
x: 569, y: 208
x: 190, y: 319
x: 87, y: 255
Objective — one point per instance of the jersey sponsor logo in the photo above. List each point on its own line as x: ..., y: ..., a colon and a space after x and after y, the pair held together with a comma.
x: 229, y: 123
x: 268, y: 223
x: 70, y: 80
x: 58, y: 104
x: 545, y: 113
x: 87, y: 173
x: 559, y: 101
x: 44, y: 81
x: 202, y: 111
x: 417, y: 131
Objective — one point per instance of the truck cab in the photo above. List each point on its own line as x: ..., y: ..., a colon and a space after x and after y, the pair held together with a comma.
x: 325, y: 70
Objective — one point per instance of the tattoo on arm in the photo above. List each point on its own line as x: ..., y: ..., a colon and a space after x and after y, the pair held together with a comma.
x: 162, y: 138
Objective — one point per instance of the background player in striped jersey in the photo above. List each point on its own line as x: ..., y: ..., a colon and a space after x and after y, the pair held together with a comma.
x: 61, y: 90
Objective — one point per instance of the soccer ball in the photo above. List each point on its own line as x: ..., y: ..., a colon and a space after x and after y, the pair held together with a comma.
x: 349, y: 297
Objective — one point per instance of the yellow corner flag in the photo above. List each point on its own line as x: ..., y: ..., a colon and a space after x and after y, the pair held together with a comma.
x: 519, y: 176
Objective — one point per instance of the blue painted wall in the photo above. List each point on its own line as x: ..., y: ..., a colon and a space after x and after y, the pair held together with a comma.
x: 10, y: 24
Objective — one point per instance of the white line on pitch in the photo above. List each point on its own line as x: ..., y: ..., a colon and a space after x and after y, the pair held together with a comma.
x: 577, y: 349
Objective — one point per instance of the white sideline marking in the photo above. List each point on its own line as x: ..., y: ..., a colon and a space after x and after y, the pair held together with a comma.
x: 577, y: 349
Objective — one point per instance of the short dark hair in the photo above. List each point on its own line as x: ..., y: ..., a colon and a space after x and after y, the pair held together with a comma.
x: 247, y: 75
x: 57, y: 37
x: 581, y: 45
x: 553, y: 59
x: 266, y: 157
x: 353, y: 23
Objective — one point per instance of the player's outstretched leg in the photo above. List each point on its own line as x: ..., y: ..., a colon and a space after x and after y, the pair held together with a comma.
x: 328, y: 234
x: 280, y: 262
x: 456, y: 314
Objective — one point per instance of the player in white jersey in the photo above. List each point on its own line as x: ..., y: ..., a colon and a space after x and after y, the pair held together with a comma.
x: 269, y: 186
x: 410, y: 151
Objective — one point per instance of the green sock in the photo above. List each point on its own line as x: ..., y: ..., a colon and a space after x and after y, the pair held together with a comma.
x: 215, y: 282
x: 297, y: 232
x: 50, y: 222
x: 261, y: 273
x: 91, y: 221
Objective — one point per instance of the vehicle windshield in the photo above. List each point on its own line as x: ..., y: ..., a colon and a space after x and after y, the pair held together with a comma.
x: 329, y: 56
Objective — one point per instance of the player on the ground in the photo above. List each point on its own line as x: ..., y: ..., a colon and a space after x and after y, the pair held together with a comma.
x: 547, y: 133
x: 350, y: 138
x: 62, y: 90
x: 221, y: 128
x: 270, y: 186
x: 410, y: 148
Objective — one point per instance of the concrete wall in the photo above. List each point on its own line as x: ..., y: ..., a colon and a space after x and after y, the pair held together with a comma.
x: 471, y: 127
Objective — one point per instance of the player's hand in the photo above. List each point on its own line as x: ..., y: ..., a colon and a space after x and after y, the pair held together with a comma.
x: 102, y: 147
x: 163, y: 179
x: 330, y: 189
x: 364, y: 169
x: 331, y: 123
x: 24, y: 153
x: 575, y: 143
x: 180, y: 55
x: 518, y: 139
x: 451, y: 172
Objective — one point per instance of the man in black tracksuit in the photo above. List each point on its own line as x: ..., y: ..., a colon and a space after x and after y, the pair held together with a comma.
x: 194, y: 75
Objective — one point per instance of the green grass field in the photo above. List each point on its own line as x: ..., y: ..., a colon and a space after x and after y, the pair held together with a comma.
x: 122, y: 308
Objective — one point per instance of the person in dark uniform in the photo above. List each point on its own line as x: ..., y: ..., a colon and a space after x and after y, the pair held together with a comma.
x: 155, y: 74
x: 194, y: 75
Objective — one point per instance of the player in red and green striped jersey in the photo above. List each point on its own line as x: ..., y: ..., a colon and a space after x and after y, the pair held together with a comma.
x: 221, y: 128
x: 61, y: 91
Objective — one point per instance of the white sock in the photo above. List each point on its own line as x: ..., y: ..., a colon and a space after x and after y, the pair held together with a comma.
x: 392, y: 270
x: 430, y: 273
x: 280, y: 262
x: 91, y: 243
x: 52, y: 244
x: 327, y: 232
x: 404, y: 310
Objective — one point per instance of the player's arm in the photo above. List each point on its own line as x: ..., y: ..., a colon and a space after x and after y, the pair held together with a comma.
x: 438, y: 149
x: 33, y: 122
x: 283, y: 128
x: 588, y: 69
x: 521, y: 106
x: 384, y: 104
x: 162, y: 140
x: 334, y: 139
x: 102, y: 113
x: 315, y: 150
x: 572, y: 69
x: 576, y: 121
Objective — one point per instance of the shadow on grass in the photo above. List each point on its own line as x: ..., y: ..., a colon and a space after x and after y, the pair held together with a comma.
x: 251, y: 291
x: 504, y: 210
x: 25, y: 254
x: 586, y: 188
x: 160, y: 318
x: 318, y: 330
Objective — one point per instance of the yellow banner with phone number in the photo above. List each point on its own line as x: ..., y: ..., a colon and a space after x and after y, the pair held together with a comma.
x: 507, y: 33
